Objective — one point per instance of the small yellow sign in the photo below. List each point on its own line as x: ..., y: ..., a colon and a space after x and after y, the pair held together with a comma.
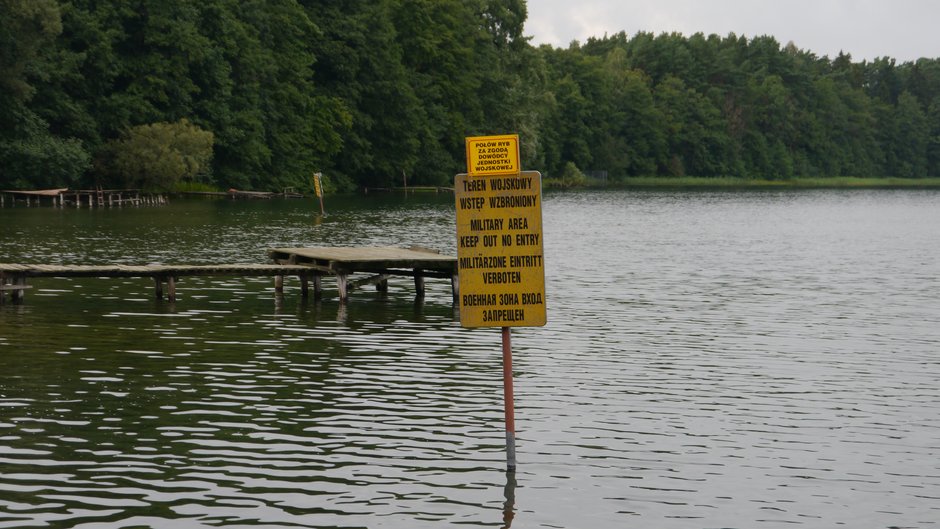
x: 317, y: 187
x: 499, y: 250
x: 493, y: 155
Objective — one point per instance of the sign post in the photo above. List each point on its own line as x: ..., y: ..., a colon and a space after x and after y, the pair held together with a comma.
x: 318, y: 189
x: 500, y: 260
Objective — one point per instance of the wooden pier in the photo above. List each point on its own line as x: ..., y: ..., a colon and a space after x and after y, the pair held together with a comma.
x: 306, y: 263
x: 80, y: 197
x: 377, y: 262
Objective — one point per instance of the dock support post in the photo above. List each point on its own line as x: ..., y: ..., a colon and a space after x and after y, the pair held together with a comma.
x: 170, y: 288
x: 382, y: 284
x: 341, y: 283
x: 158, y: 286
x: 455, y: 287
x: 419, y: 283
x: 304, y: 286
x: 19, y: 294
x: 278, y: 284
x: 317, y: 286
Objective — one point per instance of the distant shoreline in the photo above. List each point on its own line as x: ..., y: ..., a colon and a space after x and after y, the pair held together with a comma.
x: 748, y: 183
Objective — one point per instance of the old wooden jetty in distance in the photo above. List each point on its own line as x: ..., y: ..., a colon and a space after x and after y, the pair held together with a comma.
x: 305, y: 263
x: 80, y: 197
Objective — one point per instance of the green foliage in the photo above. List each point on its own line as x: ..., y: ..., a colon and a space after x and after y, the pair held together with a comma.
x: 42, y: 162
x: 158, y: 156
x: 367, y: 91
x: 31, y: 155
x: 194, y: 187
x: 572, y: 176
x: 741, y: 108
x: 26, y: 26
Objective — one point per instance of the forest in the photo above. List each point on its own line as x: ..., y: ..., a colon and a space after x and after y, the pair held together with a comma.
x: 260, y: 94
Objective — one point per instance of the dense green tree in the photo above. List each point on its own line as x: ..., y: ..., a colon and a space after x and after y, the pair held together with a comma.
x: 905, y: 137
x: 38, y: 160
x: 30, y: 154
x: 696, y: 134
x: 360, y: 63
x: 157, y: 156
x: 374, y: 93
x: 26, y: 27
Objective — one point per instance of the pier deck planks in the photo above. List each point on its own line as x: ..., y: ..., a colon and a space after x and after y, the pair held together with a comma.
x: 380, y: 260
x: 39, y: 270
x: 305, y: 263
x: 13, y: 276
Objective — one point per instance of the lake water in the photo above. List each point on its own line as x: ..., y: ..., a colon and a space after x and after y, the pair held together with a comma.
x: 712, y: 360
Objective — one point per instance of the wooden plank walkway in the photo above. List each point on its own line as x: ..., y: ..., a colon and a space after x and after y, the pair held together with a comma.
x: 305, y: 263
x: 60, y: 197
x: 13, y: 276
x: 380, y: 261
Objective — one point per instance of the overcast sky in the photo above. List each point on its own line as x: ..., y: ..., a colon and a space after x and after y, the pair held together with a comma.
x: 902, y: 29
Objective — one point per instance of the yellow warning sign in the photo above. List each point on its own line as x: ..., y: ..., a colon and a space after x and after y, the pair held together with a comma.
x: 499, y: 250
x: 493, y: 155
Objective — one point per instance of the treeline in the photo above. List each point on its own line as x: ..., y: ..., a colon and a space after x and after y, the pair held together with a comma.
x: 259, y: 94
x: 710, y: 106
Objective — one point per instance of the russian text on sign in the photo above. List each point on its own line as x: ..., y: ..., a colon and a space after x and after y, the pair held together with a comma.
x: 500, y: 258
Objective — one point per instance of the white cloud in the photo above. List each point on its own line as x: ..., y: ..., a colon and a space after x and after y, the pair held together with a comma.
x: 903, y: 29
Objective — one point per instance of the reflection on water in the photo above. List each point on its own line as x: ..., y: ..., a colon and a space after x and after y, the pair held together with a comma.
x: 509, y: 492
x: 711, y: 360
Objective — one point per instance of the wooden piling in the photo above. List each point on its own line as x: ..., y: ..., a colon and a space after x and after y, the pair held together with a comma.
x: 317, y: 286
x: 341, y: 286
x: 419, y: 283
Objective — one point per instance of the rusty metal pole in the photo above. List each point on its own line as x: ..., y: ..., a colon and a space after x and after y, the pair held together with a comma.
x: 508, y: 404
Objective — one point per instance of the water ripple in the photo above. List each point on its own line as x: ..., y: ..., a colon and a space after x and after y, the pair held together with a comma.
x: 711, y: 360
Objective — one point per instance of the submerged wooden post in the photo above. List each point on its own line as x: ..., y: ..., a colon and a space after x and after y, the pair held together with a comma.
x: 419, y: 283
x: 19, y: 293
x: 304, y: 286
x: 341, y: 285
x: 158, y: 286
x: 170, y: 288
x: 279, y: 284
x: 317, y: 286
